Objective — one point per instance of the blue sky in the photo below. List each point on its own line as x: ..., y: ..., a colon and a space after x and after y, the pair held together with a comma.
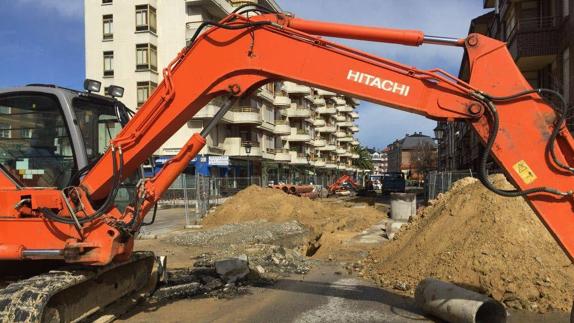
x: 42, y: 41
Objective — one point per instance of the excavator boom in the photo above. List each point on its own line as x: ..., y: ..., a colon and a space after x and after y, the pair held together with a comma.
x: 521, y: 130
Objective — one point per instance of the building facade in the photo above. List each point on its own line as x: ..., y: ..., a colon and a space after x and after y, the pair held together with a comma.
x: 414, y: 155
x: 281, y: 132
x: 380, y: 162
x: 540, y: 36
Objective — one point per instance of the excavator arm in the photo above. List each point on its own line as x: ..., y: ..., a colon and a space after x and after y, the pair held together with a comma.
x: 239, y: 54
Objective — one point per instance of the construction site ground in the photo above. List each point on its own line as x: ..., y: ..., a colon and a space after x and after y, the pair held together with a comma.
x: 311, y: 261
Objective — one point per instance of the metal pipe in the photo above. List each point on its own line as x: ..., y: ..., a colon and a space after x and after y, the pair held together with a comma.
x: 222, y: 111
x: 455, y: 304
x: 448, y: 41
x: 43, y: 253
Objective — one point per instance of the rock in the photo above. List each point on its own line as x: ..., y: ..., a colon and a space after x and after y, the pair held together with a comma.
x: 232, y: 269
x: 402, y: 286
x: 392, y: 228
x: 260, y: 269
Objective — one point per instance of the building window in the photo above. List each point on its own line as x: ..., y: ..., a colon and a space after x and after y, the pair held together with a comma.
x: 4, y: 130
x: 25, y: 133
x: 107, y: 1
x: 146, y: 57
x: 145, y: 18
x: 108, y: 64
x: 565, y: 8
x: 108, y: 21
x: 144, y: 91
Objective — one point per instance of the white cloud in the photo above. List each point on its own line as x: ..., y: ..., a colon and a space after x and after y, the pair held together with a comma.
x: 65, y: 8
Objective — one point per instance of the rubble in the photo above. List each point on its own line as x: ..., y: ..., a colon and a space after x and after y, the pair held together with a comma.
x: 232, y: 269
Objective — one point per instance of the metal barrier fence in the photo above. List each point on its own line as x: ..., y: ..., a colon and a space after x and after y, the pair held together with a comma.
x: 440, y: 182
x: 196, y: 194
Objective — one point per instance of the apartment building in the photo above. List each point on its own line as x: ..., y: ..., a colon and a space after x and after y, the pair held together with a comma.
x: 380, y: 161
x: 539, y: 35
x: 280, y: 132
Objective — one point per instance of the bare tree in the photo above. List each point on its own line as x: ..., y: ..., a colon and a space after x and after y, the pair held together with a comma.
x: 423, y: 159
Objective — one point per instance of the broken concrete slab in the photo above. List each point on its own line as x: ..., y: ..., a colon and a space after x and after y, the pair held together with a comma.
x: 232, y: 269
x: 392, y: 227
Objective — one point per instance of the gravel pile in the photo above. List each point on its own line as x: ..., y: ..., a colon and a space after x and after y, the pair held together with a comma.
x: 289, y: 234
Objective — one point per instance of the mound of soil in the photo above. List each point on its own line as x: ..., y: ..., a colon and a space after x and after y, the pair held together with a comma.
x: 322, y: 218
x: 482, y: 241
x: 256, y: 203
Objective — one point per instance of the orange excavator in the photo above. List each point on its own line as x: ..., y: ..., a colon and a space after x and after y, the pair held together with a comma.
x: 71, y: 196
x: 343, y: 185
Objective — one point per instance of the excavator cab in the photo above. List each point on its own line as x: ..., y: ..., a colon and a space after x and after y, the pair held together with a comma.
x: 49, y: 136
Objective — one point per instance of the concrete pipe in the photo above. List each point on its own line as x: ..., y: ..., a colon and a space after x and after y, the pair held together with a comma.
x: 285, y: 189
x: 455, y: 304
x: 292, y: 190
x: 403, y: 206
x: 304, y: 189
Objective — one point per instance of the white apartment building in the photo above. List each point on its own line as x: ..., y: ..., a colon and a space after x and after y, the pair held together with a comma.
x: 286, y: 126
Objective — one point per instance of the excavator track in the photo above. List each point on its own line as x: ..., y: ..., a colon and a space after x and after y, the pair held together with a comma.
x: 74, y: 293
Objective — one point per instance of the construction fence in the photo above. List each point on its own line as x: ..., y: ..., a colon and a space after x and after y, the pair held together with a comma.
x: 196, y: 194
x: 439, y: 182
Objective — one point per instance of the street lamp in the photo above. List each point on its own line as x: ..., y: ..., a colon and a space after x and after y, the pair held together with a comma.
x: 439, y: 131
x: 248, y: 146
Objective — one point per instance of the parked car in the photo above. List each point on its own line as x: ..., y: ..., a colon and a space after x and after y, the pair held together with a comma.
x: 394, y: 182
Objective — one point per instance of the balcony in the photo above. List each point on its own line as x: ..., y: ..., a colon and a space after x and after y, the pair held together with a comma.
x: 354, y: 115
x: 347, y: 154
x: 331, y: 165
x: 346, y: 139
x: 340, y: 134
x: 325, y: 93
x: 319, y: 142
x: 345, y: 108
x: 319, y: 101
x: 355, y: 156
x: 318, y: 162
x: 327, y: 147
x: 292, y: 88
x: 354, y: 129
x: 281, y: 101
x: 535, y: 42
x: 235, y: 146
x: 340, y: 118
x: 339, y: 100
x: 267, y: 126
x: 326, y: 110
x: 264, y: 94
x: 296, y: 112
x: 282, y: 155
x: 298, y: 158
x: 345, y: 124
x: 268, y: 154
x: 282, y: 127
x: 207, y: 112
x: 355, y: 102
x: 340, y: 151
x: 299, y: 135
x: 355, y: 142
x: 319, y: 123
x: 243, y: 115
x: 327, y: 129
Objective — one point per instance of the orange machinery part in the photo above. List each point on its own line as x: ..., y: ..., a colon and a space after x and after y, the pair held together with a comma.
x: 247, y: 59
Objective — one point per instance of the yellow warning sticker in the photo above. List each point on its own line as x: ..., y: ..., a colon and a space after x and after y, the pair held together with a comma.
x: 525, y: 172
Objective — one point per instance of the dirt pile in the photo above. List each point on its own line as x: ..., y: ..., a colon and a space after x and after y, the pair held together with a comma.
x: 479, y: 240
x: 323, y: 218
